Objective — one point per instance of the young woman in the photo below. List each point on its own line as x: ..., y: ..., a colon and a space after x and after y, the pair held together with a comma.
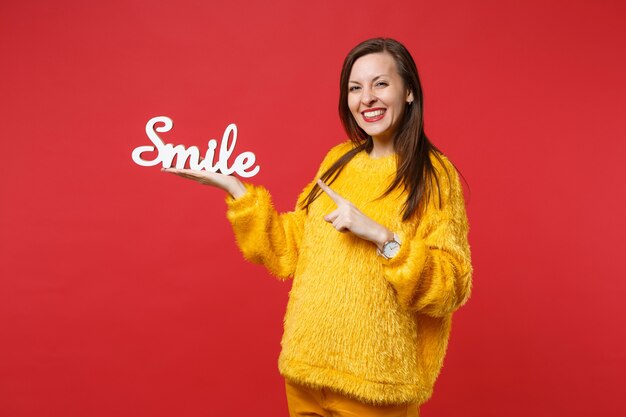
x: 377, y: 247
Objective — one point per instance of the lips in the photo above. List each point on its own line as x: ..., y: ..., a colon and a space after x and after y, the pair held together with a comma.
x: 373, y: 115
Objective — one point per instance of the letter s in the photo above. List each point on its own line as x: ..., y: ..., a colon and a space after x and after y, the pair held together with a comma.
x: 154, y: 138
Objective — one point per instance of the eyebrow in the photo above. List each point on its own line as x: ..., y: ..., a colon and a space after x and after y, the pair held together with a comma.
x: 375, y: 78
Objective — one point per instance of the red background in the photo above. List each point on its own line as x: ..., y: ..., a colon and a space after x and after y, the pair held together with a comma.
x: 122, y: 292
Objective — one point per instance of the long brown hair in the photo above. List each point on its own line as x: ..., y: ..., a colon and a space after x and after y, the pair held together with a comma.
x: 415, y: 171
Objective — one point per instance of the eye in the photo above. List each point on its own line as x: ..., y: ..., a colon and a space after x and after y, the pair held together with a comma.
x: 353, y: 88
x: 382, y: 84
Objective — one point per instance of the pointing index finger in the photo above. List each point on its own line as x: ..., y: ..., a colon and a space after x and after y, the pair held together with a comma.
x: 331, y: 193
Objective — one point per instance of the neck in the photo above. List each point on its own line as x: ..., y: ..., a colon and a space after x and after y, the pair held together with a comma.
x: 382, y: 148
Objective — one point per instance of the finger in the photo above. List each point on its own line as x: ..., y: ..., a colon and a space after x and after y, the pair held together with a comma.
x: 191, y: 177
x: 185, y: 173
x: 171, y: 171
x: 340, y: 226
x: 331, y: 193
x: 191, y: 172
x: 330, y: 217
x: 174, y: 171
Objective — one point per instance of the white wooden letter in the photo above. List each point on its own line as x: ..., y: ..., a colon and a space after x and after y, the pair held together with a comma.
x: 167, y: 152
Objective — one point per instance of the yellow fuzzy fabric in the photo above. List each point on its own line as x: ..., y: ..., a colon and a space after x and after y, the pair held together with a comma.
x: 374, y: 329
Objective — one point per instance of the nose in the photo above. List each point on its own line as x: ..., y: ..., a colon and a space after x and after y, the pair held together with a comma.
x: 368, y: 98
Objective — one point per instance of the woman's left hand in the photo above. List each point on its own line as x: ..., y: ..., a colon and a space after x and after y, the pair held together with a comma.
x: 349, y: 218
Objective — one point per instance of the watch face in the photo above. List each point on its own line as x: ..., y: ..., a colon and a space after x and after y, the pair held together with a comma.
x: 391, y: 249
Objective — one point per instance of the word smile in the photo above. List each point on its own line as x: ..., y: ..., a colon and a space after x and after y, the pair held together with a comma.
x: 167, y: 152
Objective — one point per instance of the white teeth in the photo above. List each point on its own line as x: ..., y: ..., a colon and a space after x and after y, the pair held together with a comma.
x: 375, y: 113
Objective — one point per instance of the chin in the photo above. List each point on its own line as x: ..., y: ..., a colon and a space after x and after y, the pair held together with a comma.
x: 381, y: 134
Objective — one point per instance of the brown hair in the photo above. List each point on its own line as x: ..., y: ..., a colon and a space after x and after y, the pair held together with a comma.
x: 412, y: 146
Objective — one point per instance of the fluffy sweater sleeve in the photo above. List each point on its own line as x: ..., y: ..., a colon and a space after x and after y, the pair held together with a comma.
x: 265, y: 236
x: 432, y: 272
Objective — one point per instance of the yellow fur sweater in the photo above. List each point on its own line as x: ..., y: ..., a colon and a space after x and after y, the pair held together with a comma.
x: 373, y: 329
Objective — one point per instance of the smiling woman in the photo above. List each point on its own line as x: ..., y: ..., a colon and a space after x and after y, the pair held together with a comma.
x: 377, y: 99
x: 379, y: 265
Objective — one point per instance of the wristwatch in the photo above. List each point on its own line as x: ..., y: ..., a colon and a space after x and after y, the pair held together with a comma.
x: 390, y: 247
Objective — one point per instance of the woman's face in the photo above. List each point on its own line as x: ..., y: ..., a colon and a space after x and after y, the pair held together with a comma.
x: 377, y: 95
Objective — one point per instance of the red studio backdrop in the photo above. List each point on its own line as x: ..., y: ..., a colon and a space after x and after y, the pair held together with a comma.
x: 122, y: 292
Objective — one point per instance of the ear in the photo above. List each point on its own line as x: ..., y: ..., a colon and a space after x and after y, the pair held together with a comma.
x: 409, y: 97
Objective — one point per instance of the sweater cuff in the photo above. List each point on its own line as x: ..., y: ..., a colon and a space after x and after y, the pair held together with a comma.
x: 244, y: 204
x: 404, y: 270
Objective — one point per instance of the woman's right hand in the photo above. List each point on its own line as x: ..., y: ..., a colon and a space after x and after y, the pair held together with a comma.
x: 227, y: 183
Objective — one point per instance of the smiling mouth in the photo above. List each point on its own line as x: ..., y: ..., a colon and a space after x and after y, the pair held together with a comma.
x: 373, y: 115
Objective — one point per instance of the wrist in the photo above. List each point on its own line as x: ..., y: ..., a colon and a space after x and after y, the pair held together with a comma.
x: 237, y: 189
x: 384, y: 236
x: 391, y: 247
